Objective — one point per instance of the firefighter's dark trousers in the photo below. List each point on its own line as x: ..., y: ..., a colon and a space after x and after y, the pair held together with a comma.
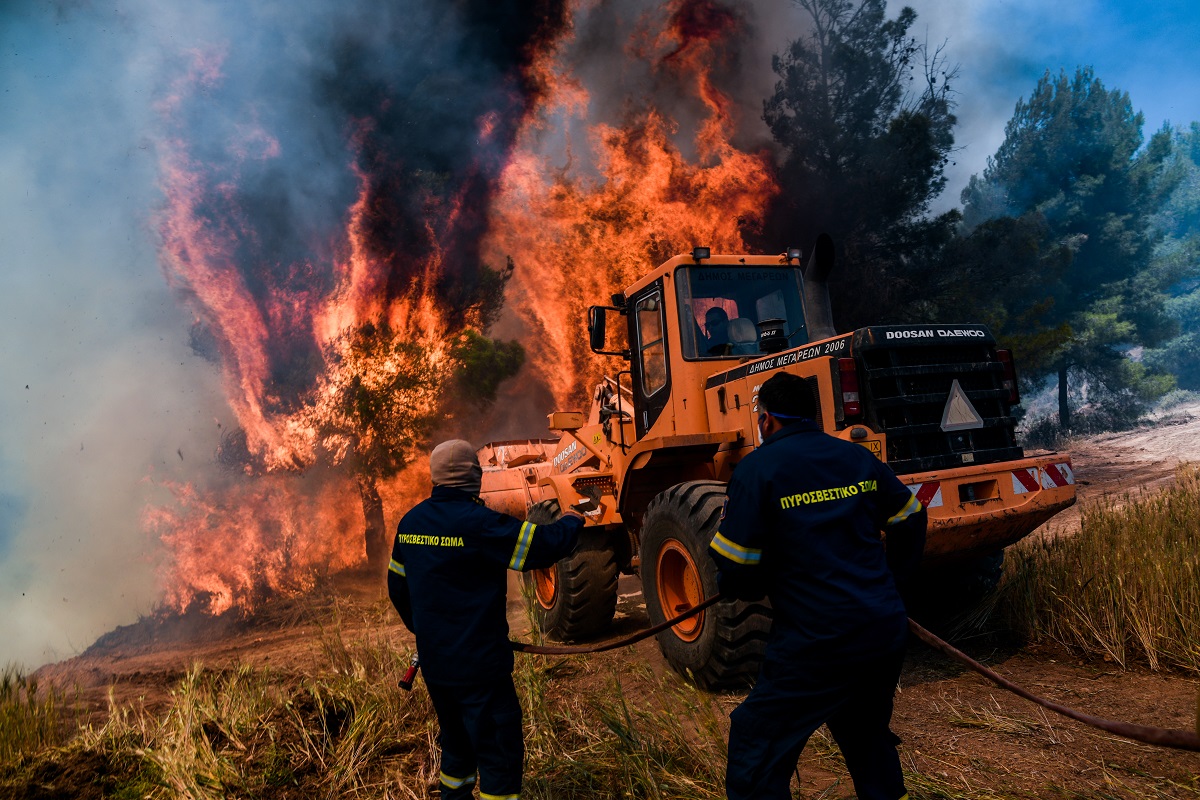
x: 480, y: 732
x: 788, y: 703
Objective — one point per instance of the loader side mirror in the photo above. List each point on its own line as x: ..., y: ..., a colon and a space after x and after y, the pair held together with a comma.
x: 596, y: 328
x: 597, y: 318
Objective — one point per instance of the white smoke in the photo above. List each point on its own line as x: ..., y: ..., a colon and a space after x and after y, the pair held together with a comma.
x: 102, y: 396
x: 100, y: 390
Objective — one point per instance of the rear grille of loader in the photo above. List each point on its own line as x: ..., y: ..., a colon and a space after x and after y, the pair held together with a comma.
x: 905, y: 386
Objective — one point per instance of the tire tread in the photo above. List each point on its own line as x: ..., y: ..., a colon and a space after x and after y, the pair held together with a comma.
x: 729, y: 655
x: 587, y: 583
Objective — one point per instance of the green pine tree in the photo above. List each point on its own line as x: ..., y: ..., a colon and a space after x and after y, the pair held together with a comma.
x: 1177, y: 260
x: 863, y: 113
x: 1074, y: 161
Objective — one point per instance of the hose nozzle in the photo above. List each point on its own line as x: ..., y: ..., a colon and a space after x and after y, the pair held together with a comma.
x: 410, y: 675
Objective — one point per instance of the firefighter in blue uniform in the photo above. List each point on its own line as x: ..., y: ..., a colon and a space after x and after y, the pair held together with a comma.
x: 448, y: 580
x: 802, y: 525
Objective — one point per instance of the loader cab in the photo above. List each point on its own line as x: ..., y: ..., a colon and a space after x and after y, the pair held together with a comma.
x: 694, y: 316
x: 649, y: 355
x: 733, y: 311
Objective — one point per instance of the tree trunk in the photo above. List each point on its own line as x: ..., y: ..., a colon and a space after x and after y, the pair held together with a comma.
x: 1064, y: 405
x: 375, y: 531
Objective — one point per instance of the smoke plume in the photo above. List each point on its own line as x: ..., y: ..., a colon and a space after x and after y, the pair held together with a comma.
x: 267, y: 125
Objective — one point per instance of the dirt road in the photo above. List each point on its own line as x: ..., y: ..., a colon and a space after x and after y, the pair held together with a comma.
x: 1110, y: 465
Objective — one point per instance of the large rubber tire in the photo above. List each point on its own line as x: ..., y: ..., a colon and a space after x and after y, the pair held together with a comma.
x: 723, y: 646
x: 576, y: 598
x: 981, y: 577
x: 946, y: 597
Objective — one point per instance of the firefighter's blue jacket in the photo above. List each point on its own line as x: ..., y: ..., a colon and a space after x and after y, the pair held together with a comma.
x: 802, y: 524
x: 448, y: 579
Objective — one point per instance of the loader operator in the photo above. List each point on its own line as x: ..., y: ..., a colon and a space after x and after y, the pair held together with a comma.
x: 716, y: 326
x: 448, y: 580
x: 802, y: 525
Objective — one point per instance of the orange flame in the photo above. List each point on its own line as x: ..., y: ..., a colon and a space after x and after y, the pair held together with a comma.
x: 229, y: 547
x: 577, y: 240
x: 236, y: 547
x: 577, y: 234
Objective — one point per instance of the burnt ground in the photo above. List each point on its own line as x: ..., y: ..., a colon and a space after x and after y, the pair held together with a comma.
x: 960, y: 732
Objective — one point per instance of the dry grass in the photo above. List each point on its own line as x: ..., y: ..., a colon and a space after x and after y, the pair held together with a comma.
x: 992, y: 717
x: 351, y: 732
x: 667, y: 744
x: 254, y: 733
x: 31, y: 717
x: 1125, y: 588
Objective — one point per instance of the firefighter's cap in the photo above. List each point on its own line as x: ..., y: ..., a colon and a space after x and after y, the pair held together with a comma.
x: 454, y: 463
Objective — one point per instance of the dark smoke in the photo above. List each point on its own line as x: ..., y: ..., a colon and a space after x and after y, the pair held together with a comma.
x: 616, y: 54
x: 120, y: 381
x: 395, y: 93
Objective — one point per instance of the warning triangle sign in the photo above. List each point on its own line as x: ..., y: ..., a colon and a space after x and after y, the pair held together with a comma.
x: 959, y: 414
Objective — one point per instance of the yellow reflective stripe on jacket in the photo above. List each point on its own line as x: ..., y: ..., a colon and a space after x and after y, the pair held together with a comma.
x: 734, y: 551
x: 521, y: 551
x: 455, y: 783
x: 486, y: 796
x: 396, y: 567
x: 911, y: 507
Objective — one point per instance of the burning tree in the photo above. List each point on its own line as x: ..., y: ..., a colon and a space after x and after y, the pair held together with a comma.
x: 387, y: 394
x: 330, y: 255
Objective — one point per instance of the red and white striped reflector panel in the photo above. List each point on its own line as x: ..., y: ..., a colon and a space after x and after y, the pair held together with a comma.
x: 1057, y: 475
x: 928, y: 494
x: 1025, y: 480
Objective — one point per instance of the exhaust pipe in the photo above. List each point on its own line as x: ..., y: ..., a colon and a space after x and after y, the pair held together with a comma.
x: 817, y: 310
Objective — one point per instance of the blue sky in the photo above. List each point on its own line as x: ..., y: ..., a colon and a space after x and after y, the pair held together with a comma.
x: 88, y: 324
x: 1148, y: 49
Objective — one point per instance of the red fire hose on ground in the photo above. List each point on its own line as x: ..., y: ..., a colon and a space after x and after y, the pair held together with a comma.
x: 410, y: 674
x: 1174, y: 738
x: 1162, y: 737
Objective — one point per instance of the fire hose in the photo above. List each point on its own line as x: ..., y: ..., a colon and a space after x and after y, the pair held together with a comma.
x: 1174, y: 738
x: 406, y: 682
x: 1163, y: 737
x: 613, y: 644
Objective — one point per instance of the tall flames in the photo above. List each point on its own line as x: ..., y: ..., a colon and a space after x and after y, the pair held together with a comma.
x: 581, y: 239
x: 580, y: 220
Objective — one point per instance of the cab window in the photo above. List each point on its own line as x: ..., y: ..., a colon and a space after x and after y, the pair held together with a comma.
x: 720, y: 308
x: 652, y: 350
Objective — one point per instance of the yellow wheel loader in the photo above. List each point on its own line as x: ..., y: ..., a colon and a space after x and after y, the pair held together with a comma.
x: 647, y: 466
